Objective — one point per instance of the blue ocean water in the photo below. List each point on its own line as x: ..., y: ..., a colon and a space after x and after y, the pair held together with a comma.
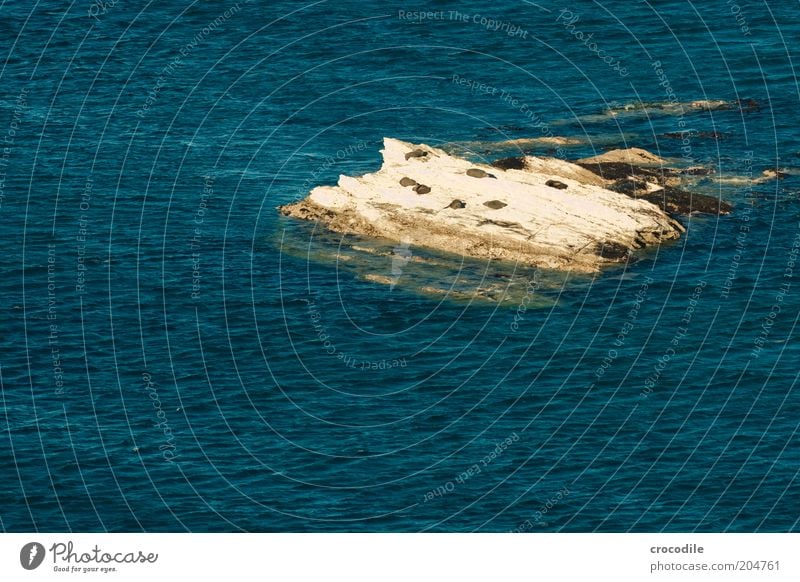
x: 175, y: 356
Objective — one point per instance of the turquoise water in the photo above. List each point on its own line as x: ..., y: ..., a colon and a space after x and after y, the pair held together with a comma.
x: 176, y: 356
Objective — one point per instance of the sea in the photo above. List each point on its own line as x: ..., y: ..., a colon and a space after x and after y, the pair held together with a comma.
x: 177, y: 356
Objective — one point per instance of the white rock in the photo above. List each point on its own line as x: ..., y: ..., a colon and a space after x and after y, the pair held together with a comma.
x: 541, y: 225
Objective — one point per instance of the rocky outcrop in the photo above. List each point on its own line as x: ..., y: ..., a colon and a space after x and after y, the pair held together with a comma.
x: 699, y: 105
x: 630, y: 156
x: 642, y: 175
x: 514, y: 215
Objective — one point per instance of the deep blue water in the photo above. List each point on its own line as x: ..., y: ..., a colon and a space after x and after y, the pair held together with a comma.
x: 163, y: 333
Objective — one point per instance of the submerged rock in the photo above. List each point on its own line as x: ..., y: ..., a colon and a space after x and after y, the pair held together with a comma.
x: 678, y: 108
x: 774, y: 174
x: 697, y: 171
x: 557, y: 229
x: 715, y: 135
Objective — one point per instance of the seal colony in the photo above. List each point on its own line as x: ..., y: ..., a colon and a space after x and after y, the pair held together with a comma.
x: 543, y: 212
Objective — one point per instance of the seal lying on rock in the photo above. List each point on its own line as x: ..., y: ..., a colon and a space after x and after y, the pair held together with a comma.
x: 495, y: 204
x: 417, y: 153
x: 538, y: 225
x: 509, y: 163
x: 422, y: 189
x: 406, y: 182
x: 556, y: 184
x: 478, y: 173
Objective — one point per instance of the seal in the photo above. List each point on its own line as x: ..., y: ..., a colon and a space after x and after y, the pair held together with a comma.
x: 417, y: 153
x: 422, y: 189
x: 478, y: 173
x: 495, y: 204
x: 456, y: 204
x: 509, y: 163
x: 406, y: 182
x: 556, y: 184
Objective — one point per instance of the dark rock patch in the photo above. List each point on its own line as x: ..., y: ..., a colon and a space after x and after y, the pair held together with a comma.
x: 556, y: 184
x: 613, y: 251
x: 715, y: 135
x: 677, y: 201
x: 514, y: 163
x: 406, y: 182
x: 421, y: 189
x: 697, y: 171
x: 616, y: 171
x: 621, y: 170
x: 628, y: 180
x: 495, y: 204
x: 748, y: 105
x: 630, y: 186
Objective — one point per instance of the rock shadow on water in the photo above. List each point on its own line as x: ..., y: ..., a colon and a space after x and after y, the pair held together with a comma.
x: 400, y: 268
